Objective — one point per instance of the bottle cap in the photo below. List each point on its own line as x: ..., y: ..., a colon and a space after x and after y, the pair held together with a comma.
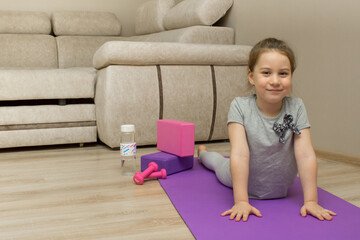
x: 128, y: 128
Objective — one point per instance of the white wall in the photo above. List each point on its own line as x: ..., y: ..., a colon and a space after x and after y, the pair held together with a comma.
x: 325, y: 35
x: 124, y: 9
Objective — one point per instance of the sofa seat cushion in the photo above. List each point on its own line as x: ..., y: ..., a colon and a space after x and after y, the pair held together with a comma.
x: 193, y: 34
x: 147, y: 53
x: 47, y: 136
x: 20, y: 84
x: 46, y: 114
x: 24, y: 22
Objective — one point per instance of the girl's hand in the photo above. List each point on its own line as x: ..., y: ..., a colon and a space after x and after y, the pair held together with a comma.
x: 241, y: 210
x: 317, y: 211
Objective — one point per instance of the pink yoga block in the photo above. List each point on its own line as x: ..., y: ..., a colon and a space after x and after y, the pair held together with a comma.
x: 176, y: 137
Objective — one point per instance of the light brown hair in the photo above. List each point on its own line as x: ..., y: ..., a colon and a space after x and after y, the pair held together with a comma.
x: 271, y: 44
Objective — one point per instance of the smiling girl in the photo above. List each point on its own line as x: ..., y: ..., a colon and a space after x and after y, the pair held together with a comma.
x: 269, y: 136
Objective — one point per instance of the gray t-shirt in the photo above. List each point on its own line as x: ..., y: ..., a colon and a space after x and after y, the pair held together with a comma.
x: 273, y: 166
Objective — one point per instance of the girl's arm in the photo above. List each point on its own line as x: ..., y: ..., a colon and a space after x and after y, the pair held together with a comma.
x: 239, y: 161
x: 307, y: 167
x: 239, y: 166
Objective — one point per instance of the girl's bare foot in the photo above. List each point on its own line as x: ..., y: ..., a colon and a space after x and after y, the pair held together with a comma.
x: 200, y: 149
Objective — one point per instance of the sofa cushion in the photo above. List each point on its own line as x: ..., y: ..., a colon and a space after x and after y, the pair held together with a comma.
x: 153, y: 53
x: 231, y: 82
x: 193, y: 34
x: 24, y: 22
x: 149, y: 16
x: 28, y: 51
x: 196, y: 12
x: 85, y: 24
x: 47, y: 84
x: 45, y: 114
x: 188, y: 96
x: 127, y: 94
x: 78, y: 51
x: 47, y: 136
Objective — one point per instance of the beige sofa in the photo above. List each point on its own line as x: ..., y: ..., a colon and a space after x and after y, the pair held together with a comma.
x: 141, y: 82
x: 50, y: 93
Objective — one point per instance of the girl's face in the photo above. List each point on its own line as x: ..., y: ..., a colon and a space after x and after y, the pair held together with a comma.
x: 271, y: 78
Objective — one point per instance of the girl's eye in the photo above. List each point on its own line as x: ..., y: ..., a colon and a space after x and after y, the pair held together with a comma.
x: 267, y: 73
x: 284, y: 74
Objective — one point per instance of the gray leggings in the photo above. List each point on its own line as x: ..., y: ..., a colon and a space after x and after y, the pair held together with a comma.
x: 219, y: 164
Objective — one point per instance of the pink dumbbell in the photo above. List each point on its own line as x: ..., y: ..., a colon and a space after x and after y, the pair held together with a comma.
x: 162, y: 174
x: 139, y: 177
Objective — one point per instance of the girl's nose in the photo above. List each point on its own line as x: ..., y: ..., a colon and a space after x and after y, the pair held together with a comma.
x: 275, y: 81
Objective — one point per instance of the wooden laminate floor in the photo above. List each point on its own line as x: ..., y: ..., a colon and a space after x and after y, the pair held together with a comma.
x: 72, y: 192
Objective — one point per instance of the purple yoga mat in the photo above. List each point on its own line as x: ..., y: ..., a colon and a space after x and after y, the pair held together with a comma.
x: 200, y: 199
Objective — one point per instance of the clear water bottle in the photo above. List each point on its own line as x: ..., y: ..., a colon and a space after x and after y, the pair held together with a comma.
x: 128, y: 150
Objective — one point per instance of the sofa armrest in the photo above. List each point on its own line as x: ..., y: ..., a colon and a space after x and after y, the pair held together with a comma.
x: 165, y: 53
